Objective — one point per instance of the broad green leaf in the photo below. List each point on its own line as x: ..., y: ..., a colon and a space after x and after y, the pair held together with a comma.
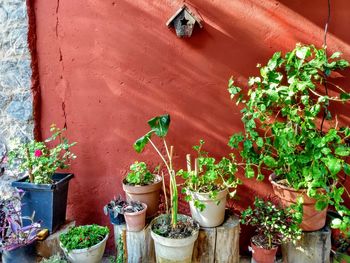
x: 141, y: 142
x: 333, y: 164
x: 270, y: 161
x: 336, y: 55
x: 160, y: 124
x: 342, y: 151
x: 249, y: 171
x: 320, y: 205
x: 346, y: 168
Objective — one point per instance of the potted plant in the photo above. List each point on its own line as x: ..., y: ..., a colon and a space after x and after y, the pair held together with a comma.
x: 84, y: 243
x: 135, y: 215
x: 173, y: 234
x: 274, y: 226
x: 114, y: 209
x: 206, y: 187
x: 17, y: 242
x: 142, y: 185
x: 46, y: 190
x: 290, y: 131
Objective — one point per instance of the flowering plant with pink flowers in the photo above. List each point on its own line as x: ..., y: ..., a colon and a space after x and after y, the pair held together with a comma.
x: 41, y: 159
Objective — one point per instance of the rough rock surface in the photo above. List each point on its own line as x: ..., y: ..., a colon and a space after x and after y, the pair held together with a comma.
x: 16, y: 107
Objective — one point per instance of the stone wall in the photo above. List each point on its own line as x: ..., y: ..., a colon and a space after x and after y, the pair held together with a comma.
x: 16, y: 110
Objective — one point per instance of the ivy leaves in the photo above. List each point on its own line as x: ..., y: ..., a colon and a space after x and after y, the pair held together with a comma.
x: 280, y: 115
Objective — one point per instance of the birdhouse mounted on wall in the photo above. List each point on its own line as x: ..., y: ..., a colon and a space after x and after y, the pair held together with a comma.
x: 184, y: 20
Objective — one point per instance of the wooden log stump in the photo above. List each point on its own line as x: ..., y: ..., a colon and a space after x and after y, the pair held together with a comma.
x: 314, y: 247
x: 51, y: 245
x: 136, y: 246
x: 218, y: 244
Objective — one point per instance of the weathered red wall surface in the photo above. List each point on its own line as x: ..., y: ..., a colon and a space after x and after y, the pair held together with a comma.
x: 107, y: 66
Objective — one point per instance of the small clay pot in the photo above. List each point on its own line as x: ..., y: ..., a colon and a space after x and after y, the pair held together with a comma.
x: 136, y: 221
x: 148, y: 194
x: 313, y: 219
x: 263, y: 255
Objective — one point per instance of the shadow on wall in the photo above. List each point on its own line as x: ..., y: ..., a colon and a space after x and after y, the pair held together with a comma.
x: 122, y: 66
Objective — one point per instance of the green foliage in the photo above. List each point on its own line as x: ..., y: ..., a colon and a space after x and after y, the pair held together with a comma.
x: 83, y: 236
x: 139, y: 174
x: 274, y: 224
x: 159, y: 126
x: 211, y: 177
x: 41, y: 159
x: 281, y: 116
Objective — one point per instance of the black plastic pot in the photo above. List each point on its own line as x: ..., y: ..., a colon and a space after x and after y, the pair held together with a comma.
x: 24, y: 254
x: 49, y: 201
x: 119, y: 220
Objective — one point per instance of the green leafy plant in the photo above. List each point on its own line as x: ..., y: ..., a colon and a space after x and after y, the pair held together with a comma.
x: 40, y: 160
x: 80, y: 237
x: 284, y: 115
x: 159, y: 126
x: 209, y: 175
x: 274, y: 225
x: 139, y: 174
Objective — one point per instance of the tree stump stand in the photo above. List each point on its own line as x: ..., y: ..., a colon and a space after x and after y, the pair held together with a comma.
x: 313, y: 247
x: 218, y: 244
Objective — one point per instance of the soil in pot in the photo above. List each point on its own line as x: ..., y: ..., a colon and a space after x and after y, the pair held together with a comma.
x: 214, y: 212
x: 174, y: 244
x: 260, y: 253
x: 313, y: 219
x: 148, y: 194
x: 135, y: 216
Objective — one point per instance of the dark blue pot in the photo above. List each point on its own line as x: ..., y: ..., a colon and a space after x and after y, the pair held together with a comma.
x: 24, y: 254
x: 49, y: 201
x: 119, y: 220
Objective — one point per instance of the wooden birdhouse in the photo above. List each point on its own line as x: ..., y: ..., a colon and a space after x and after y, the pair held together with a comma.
x: 184, y: 20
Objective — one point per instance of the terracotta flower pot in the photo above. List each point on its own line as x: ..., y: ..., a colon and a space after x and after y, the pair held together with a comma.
x: 148, y: 194
x: 136, y: 221
x: 263, y: 255
x: 313, y: 220
x: 213, y: 214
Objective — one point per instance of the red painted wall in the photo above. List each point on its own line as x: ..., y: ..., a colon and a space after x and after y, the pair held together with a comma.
x: 107, y: 66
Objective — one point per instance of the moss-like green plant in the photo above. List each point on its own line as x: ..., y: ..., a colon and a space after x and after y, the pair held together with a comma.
x: 80, y: 237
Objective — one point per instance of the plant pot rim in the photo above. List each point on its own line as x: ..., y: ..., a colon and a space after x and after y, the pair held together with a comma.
x: 138, y: 212
x: 158, y: 179
x: 272, y: 178
x: 194, y: 233
x: 206, y: 193
x: 84, y: 250
x: 22, y: 184
x: 274, y: 247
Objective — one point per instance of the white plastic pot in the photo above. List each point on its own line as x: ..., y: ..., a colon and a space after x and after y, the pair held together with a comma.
x: 174, y: 250
x: 214, y: 212
x: 92, y: 254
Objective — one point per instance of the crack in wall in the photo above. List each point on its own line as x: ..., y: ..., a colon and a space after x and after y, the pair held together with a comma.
x: 62, y: 78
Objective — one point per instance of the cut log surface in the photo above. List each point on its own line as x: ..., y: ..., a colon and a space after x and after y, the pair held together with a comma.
x: 314, y: 247
x: 218, y: 244
x: 51, y: 245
